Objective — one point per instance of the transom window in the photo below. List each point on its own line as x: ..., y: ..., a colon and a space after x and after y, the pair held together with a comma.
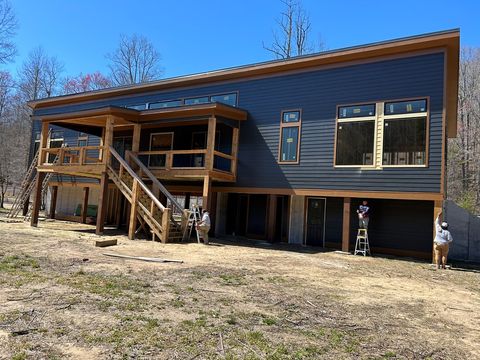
x: 382, y: 134
x: 290, y: 128
x: 165, y: 104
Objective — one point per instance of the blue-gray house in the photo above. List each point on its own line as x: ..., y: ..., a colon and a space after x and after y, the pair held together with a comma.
x: 281, y: 151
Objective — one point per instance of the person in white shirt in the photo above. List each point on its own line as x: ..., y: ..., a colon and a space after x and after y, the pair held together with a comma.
x: 442, y: 241
x: 204, y: 226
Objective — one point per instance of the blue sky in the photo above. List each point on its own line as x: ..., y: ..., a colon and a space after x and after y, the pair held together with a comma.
x: 195, y: 36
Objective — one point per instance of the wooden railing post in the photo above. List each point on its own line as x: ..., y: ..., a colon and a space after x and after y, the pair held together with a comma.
x: 43, y: 143
x: 108, y: 140
x: 235, y: 137
x: 165, y: 224
x: 81, y: 160
x: 209, y: 156
x: 168, y: 161
x: 132, y: 225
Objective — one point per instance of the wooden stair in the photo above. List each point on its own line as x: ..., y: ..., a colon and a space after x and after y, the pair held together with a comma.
x: 145, y: 205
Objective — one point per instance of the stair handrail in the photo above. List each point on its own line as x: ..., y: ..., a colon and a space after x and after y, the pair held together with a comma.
x: 130, y: 156
x: 132, y: 173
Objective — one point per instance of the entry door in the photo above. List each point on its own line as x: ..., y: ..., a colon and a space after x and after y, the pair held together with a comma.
x: 160, y: 142
x: 315, y: 234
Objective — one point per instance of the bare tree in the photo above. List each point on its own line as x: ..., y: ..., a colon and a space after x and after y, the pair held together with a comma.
x: 8, y: 28
x: 464, y: 150
x: 39, y: 75
x: 294, y: 30
x: 134, y: 61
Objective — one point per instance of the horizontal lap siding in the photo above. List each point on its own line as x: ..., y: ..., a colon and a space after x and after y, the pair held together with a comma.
x: 318, y: 93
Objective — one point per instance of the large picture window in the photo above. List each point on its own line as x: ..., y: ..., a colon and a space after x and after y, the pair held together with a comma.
x: 405, y: 133
x: 290, y: 126
x: 355, y: 135
x: 355, y: 143
x: 382, y: 134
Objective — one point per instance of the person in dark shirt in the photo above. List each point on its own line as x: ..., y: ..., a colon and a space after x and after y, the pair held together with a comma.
x: 363, y: 215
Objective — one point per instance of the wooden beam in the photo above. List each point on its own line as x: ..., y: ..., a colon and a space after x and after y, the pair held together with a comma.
x: 137, y: 129
x: 108, y: 138
x: 212, y: 124
x: 37, y: 200
x: 86, y: 191
x: 53, y: 202
x: 272, y: 211
x: 207, y: 188
x: 132, y: 223
x: 102, y: 204
x: 235, y: 141
x: 437, y: 209
x: 346, y: 224
x: 165, y: 225
x: 43, y: 143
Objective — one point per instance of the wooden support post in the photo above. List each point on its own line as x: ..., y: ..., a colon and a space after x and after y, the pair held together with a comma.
x: 37, y: 199
x: 235, y: 138
x: 206, y: 199
x: 53, y: 202
x: 132, y: 224
x: 212, y: 124
x: 42, y: 156
x: 86, y: 191
x: 272, y: 212
x: 166, y: 225
x: 102, y: 203
x: 437, y: 209
x: 137, y: 128
x: 346, y: 224
x: 108, y: 139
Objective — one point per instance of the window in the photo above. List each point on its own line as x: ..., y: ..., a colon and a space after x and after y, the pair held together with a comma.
x: 198, y: 100
x: 229, y: 99
x: 82, y: 139
x: 355, y: 135
x: 405, y: 133
x: 390, y: 133
x: 355, y: 143
x: 356, y: 111
x: 165, y: 104
x: 137, y: 107
x: 290, y: 126
x: 56, y: 141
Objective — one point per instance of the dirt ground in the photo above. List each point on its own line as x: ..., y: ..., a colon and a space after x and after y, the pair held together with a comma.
x: 61, y: 298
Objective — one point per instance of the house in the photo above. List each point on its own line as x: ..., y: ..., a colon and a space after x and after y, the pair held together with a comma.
x: 282, y: 150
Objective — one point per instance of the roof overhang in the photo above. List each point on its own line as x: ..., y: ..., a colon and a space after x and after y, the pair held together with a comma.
x: 124, y: 116
x: 447, y: 41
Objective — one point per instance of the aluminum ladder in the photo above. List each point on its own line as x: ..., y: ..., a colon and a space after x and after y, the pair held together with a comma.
x: 362, y: 245
x: 193, y: 219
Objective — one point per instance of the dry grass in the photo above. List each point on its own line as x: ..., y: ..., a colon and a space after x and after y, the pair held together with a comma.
x: 61, y: 298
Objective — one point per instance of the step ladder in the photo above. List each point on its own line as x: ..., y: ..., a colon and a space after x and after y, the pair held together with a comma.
x: 193, y: 219
x: 362, y: 245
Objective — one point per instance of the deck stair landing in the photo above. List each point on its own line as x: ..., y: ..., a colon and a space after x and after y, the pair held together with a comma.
x: 127, y: 175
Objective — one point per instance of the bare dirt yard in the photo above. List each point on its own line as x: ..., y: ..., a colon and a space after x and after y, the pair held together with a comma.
x: 61, y: 298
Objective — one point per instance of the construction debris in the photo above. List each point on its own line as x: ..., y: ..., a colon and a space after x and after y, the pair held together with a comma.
x: 141, y: 258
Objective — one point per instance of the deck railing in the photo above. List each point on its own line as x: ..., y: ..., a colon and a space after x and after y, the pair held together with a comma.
x: 79, y: 155
x: 186, y: 159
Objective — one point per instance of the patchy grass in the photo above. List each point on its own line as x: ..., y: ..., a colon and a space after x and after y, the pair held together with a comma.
x: 267, y: 305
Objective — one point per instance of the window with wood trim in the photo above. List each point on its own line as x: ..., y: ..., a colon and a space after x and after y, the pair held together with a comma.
x: 382, y: 134
x: 290, y: 130
x: 355, y: 135
x: 82, y: 139
x: 405, y: 133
